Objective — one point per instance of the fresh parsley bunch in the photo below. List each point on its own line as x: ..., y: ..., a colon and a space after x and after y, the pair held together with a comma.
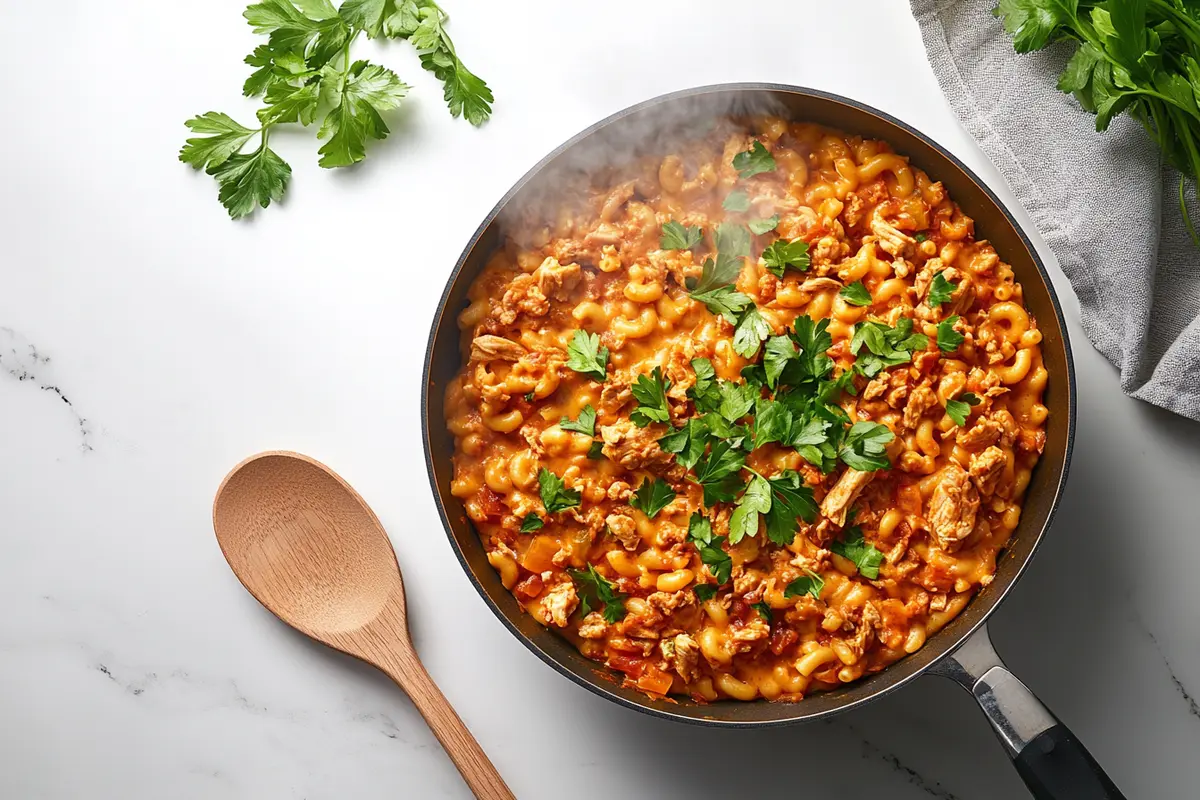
x: 1141, y: 57
x: 304, y: 71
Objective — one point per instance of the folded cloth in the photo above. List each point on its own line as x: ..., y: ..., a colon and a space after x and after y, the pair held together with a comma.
x: 1104, y: 202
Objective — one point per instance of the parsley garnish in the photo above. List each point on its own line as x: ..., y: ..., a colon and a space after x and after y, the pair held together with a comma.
x: 586, y: 356
x: 760, y: 226
x: 737, y: 202
x: 652, y: 497
x: 651, y: 395
x: 754, y: 501
x: 531, y: 523
x: 750, y: 332
x: 810, y: 584
x: 717, y: 473
x: 854, y: 548
x: 724, y: 301
x: 865, y: 446
x: 586, y: 423
x: 791, y: 499
x: 763, y: 610
x: 772, y: 422
x: 597, y: 592
x: 686, y: 443
x: 596, y: 451
x: 304, y: 69
x: 529, y: 397
x: 736, y: 400
x: 940, y: 290
x: 714, y: 288
x: 705, y: 392
x: 948, y: 339
x: 886, y: 346
x: 705, y: 591
x: 555, y: 496
x: 920, y: 237
x: 700, y: 534
x: 754, y: 161
x: 959, y: 410
x: 779, y: 351
x: 679, y: 237
x: 781, y: 255
x: 856, y: 294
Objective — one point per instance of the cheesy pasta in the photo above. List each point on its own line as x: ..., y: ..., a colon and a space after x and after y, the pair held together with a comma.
x: 749, y: 419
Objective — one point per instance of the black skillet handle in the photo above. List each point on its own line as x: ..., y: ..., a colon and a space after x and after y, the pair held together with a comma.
x: 1051, y: 761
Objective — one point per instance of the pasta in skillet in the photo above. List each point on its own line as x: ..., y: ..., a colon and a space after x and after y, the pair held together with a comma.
x: 753, y: 419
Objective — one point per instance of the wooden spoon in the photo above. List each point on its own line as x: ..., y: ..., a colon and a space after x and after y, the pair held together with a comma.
x: 308, y: 547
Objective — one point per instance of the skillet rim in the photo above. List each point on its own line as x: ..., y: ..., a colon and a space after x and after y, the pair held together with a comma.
x: 947, y: 648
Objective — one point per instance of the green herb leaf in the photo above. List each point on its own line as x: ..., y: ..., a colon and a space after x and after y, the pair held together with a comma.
x: 586, y: 423
x: 597, y: 592
x: 865, y: 446
x: 948, y: 339
x: 686, y: 443
x: 763, y: 610
x: 856, y: 294
x: 652, y: 497
x: 959, y: 410
x: 712, y: 555
x: 814, y: 340
x: 1033, y: 24
x: 854, y: 548
x: 750, y: 332
x: 779, y: 351
x: 678, y: 237
x: 422, y: 22
x: 651, y: 395
x: 810, y: 584
x: 596, y: 451
x: 718, y: 473
x: 317, y: 32
x: 791, y: 499
x: 555, y: 495
x: 781, y: 256
x: 705, y: 392
x: 587, y: 357
x: 754, y: 161
x: 358, y: 98
x: 772, y: 422
x: 737, y: 202
x: 531, y: 523
x: 887, y: 347
x: 250, y: 180
x: 736, y: 400
x: 754, y: 501
x: 940, y: 290
x: 705, y: 591
x: 724, y: 301
x: 225, y: 138
x: 760, y: 226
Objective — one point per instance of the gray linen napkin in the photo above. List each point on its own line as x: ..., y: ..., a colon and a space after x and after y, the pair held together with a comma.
x: 1102, y: 201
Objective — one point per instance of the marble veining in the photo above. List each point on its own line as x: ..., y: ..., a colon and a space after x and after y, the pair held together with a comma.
x: 905, y: 772
x: 21, y: 360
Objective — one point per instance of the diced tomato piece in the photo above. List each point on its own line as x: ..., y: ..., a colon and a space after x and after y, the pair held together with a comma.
x: 529, y: 588
x: 782, y: 638
x: 491, y: 503
x: 633, y: 667
x: 654, y: 681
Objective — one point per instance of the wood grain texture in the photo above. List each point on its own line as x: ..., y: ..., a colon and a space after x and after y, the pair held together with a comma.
x: 309, y: 548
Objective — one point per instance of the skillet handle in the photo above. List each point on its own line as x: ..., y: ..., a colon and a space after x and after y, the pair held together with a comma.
x: 1051, y: 761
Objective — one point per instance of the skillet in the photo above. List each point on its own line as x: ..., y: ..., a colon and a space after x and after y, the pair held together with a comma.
x: 1051, y: 760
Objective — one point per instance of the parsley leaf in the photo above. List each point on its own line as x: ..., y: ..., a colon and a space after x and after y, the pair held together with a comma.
x: 724, y: 301
x: 948, y: 339
x: 596, y: 451
x: 652, y: 497
x: 422, y: 23
x: 317, y: 33
x: 737, y: 202
x: 940, y: 290
x: 651, y: 395
x: 778, y: 352
x: 854, y: 548
x: 920, y: 237
x: 705, y: 392
x: 754, y: 501
x: 712, y: 555
x: 856, y: 294
x: 678, y: 237
x: 760, y: 226
x: 705, y: 591
x: 791, y: 499
x: 736, y: 400
x: 686, y: 443
x: 772, y: 422
x: 754, y: 161
x: 717, y: 473
x: 597, y: 592
x: 813, y: 339
x: 763, y: 610
x: 531, y: 523
x: 555, y: 495
x: 781, y: 255
x: 358, y: 97
x: 749, y: 333
x: 810, y: 584
x: 586, y: 423
x: 959, y: 410
x: 887, y: 347
x: 246, y: 180
x: 865, y: 446
x: 586, y: 356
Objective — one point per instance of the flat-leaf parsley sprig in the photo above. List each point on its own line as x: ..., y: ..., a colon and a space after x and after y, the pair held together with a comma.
x: 305, y: 71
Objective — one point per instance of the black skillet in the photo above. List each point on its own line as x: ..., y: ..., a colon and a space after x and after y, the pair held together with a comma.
x: 1053, y: 763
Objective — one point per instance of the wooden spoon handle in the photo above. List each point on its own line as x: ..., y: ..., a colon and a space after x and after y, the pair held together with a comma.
x: 477, y: 770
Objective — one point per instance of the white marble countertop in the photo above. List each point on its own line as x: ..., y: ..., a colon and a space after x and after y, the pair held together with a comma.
x: 147, y: 344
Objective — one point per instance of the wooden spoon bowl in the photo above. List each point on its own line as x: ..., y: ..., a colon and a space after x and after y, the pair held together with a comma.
x: 309, y: 548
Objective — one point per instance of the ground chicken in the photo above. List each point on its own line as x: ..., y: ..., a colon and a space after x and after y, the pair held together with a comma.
x: 891, y: 239
x: 952, y: 508
x: 624, y: 529
x: 986, y: 469
x: 753, y: 631
x: 633, y: 447
x: 843, y: 494
x: 876, y: 387
x: 558, y: 603
x: 492, y: 348
x: 983, y: 433
x: 864, y: 633
x: 593, y: 626
x: 685, y: 656
x: 921, y: 400
x: 829, y: 250
x: 617, y: 392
